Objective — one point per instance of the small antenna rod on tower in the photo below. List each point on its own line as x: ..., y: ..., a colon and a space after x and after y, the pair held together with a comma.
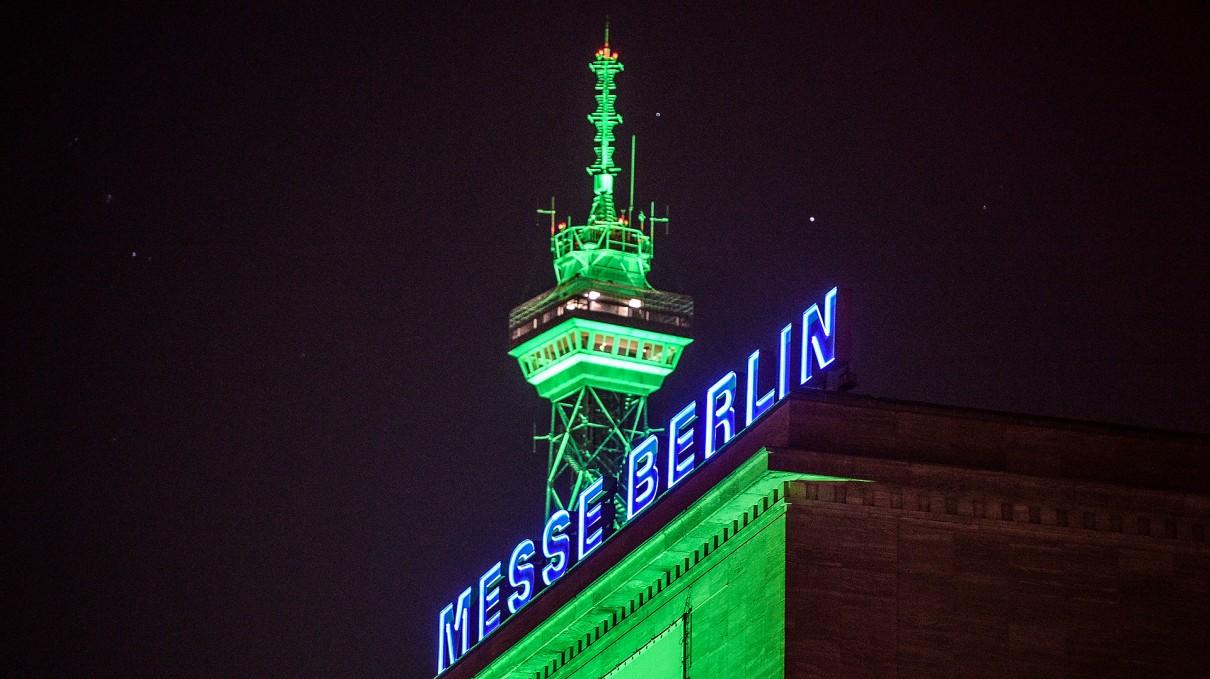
x: 630, y: 203
x: 653, y: 219
x: 550, y: 212
x: 607, y: 30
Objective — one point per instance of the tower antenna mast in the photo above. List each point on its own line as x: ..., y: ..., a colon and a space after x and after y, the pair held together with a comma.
x: 550, y: 212
x: 630, y: 201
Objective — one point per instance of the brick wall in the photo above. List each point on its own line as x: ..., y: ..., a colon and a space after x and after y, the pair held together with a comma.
x: 887, y: 580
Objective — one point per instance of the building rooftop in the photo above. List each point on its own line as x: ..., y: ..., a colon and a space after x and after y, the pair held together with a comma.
x: 828, y: 436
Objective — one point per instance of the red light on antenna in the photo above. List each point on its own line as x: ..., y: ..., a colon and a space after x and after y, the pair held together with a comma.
x: 562, y: 225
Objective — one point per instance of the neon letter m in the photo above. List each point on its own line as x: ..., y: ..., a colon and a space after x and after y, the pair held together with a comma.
x: 447, y: 628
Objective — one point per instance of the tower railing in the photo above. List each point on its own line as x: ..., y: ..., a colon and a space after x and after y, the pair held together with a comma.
x: 599, y: 237
x: 587, y: 297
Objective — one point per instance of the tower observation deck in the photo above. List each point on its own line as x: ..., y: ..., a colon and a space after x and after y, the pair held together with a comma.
x: 603, y: 339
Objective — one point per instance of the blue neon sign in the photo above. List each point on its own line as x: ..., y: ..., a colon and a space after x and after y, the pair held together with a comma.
x: 649, y: 475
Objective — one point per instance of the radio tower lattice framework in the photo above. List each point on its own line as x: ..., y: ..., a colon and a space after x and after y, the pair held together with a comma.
x: 603, y: 339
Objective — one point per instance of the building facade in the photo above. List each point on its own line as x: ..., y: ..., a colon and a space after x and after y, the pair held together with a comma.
x: 850, y: 536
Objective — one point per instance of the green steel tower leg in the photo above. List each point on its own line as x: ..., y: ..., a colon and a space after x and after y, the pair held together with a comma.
x: 602, y: 340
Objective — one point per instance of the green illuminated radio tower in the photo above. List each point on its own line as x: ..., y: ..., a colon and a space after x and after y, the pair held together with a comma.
x: 602, y: 340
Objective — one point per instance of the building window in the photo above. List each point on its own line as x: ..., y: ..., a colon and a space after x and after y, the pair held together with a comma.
x: 662, y: 656
x: 656, y: 352
x: 628, y: 348
x: 603, y: 344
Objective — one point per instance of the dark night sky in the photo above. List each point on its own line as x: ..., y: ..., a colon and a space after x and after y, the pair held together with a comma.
x: 265, y: 258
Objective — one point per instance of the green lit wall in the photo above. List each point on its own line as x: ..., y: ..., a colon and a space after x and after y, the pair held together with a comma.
x: 710, y: 584
x: 727, y: 618
x: 664, y: 655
